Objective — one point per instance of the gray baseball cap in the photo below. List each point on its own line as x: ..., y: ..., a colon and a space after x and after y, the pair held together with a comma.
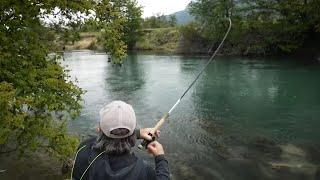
x: 115, y: 115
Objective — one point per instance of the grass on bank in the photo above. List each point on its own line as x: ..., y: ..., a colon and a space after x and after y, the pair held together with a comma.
x: 160, y: 39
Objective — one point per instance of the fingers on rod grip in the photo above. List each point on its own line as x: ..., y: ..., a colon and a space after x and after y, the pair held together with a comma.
x: 145, y: 143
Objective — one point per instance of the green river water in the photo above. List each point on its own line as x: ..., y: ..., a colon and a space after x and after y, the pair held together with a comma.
x: 243, y: 119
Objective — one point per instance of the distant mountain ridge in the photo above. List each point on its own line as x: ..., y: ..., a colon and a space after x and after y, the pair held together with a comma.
x: 183, y: 17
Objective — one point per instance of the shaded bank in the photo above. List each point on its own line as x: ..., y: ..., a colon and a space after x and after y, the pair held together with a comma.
x: 189, y: 41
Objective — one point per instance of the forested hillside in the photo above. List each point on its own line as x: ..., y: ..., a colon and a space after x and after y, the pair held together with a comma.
x: 183, y: 17
x: 262, y: 27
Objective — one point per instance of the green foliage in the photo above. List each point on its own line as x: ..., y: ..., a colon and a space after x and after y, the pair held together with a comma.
x: 70, y: 36
x: 111, y: 22
x: 172, y: 20
x: 132, y: 26
x: 117, y: 25
x: 259, y: 27
x: 159, y: 21
x: 160, y: 39
x: 193, y: 39
x: 90, y: 25
x: 36, y: 96
x: 119, y: 22
x: 191, y: 32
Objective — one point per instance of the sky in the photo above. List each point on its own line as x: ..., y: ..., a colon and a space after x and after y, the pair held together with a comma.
x: 153, y: 7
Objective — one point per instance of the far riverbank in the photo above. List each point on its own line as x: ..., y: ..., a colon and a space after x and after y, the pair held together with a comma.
x: 170, y: 41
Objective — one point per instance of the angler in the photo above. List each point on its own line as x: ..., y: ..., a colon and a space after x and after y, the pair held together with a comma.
x: 110, y: 156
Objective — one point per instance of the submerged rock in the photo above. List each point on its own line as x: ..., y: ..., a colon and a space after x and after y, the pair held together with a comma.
x: 2, y: 170
x: 278, y: 165
x: 274, y: 161
x: 294, y: 160
x: 305, y: 169
x: 290, y: 149
x: 262, y: 146
x: 238, y: 153
x: 312, y: 151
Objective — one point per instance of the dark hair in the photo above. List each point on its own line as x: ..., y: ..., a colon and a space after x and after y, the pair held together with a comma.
x: 114, y: 146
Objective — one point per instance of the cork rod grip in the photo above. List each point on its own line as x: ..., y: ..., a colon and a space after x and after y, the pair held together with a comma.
x: 160, y: 122
x: 145, y: 143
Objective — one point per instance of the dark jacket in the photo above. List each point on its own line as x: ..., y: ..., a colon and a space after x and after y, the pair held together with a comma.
x: 127, y: 166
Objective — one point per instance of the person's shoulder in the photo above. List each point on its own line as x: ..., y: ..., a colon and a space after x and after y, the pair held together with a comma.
x: 87, y: 142
x: 85, y: 150
x: 147, y: 166
x: 147, y: 171
x: 141, y: 161
x: 82, y: 157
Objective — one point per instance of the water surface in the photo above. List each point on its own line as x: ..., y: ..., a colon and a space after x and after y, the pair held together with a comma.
x: 237, y: 104
x: 239, y: 118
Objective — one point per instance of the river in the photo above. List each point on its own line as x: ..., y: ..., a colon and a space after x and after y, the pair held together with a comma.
x: 244, y: 118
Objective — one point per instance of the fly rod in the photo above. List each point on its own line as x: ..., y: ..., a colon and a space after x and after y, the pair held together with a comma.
x: 145, y: 143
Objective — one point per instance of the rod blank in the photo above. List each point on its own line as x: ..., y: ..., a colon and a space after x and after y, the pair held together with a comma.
x: 166, y: 116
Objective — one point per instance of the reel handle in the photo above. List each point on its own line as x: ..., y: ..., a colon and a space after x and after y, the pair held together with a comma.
x: 144, y: 144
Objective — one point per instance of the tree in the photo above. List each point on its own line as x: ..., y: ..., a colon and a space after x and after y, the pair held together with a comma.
x: 36, y: 96
x: 112, y: 21
x: 90, y: 25
x: 172, y: 20
x: 151, y: 22
x: 211, y: 14
x: 120, y: 22
x: 133, y: 23
x: 159, y: 21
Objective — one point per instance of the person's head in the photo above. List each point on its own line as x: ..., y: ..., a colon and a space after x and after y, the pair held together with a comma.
x: 116, y: 128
